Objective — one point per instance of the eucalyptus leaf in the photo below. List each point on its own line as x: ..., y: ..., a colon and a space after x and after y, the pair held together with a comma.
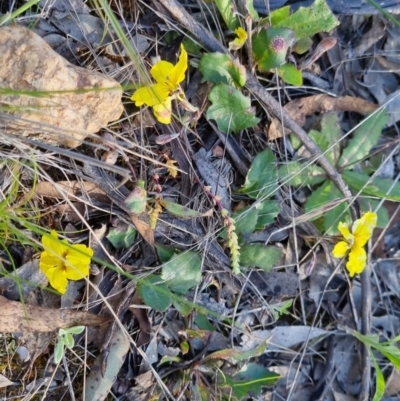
x: 228, y: 12
x: 251, y: 10
x: 252, y: 377
x: 178, y: 210
x: 379, y: 379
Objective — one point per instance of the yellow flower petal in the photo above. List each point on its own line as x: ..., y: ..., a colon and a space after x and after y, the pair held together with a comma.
x: 78, y: 261
x: 357, y: 261
x: 340, y: 249
x: 60, y: 261
x: 163, y: 111
x: 363, y: 227
x: 48, y: 261
x: 162, y: 71
x: 57, y: 280
x: 240, y: 40
x: 344, y: 230
x: 178, y: 73
x: 52, y: 244
x: 150, y: 95
x: 169, y: 74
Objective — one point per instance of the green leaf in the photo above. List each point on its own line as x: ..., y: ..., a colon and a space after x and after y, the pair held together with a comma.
x: 68, y: 340
x: 379, y: 381
x: 290, y: 74
x: 308, y: 21
x: 302, y: 45
x: 122, y: 236
x: 233, y: 355
x: 59, y: 351
x: 262, y: 177
x: 279, y: 15
x: 169, y: 359
x: 270, y: 47
x: 378, y: 187
x: 183, y: 308
x: 301, y: 174
x: 330, y: 129
x: 230, y: 109
x: 251, y: 10
x: 365, y: 137
x: 179, y: 210
x: 220, y: 69
x: 251, y: 378
x: 245, y: 220
x: 191, y: 46
x: 76, y: 329
x: 228, y: 12
x: 136, y: 200
x: 323, y: 195
x: 164, y: 253
x: 267, y: 211
x: 259, y: 255
x: 203, y: 323
x: 154, y: 292
x: 182, y: 272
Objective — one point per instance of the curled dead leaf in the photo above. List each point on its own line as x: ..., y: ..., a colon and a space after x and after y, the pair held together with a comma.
x: 300, y: 108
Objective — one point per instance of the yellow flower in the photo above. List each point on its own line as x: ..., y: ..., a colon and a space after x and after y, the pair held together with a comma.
x: 159, y: 95
x: 61, y: 262
x: 240, y: 40
x: 355, y: 241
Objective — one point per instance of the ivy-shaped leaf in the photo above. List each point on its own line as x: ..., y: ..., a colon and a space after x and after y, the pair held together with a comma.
x: 221, y: 69
x: 301, y: 174
x: 259, y: 255
x: 308, y: 21
x: 262, y: 177
x: 154, y: 292
x: 230, y: 109
x: 182, y: 272
x: 290, y: 74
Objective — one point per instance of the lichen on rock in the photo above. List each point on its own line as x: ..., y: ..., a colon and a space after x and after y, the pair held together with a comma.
x: 44, y: 97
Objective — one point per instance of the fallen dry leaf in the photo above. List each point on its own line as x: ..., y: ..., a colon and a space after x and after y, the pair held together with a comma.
x: 144, y: 229
x: 18, y: 317
x: 70, y: 190
x: 300, y: 108
x: 143, y: 320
